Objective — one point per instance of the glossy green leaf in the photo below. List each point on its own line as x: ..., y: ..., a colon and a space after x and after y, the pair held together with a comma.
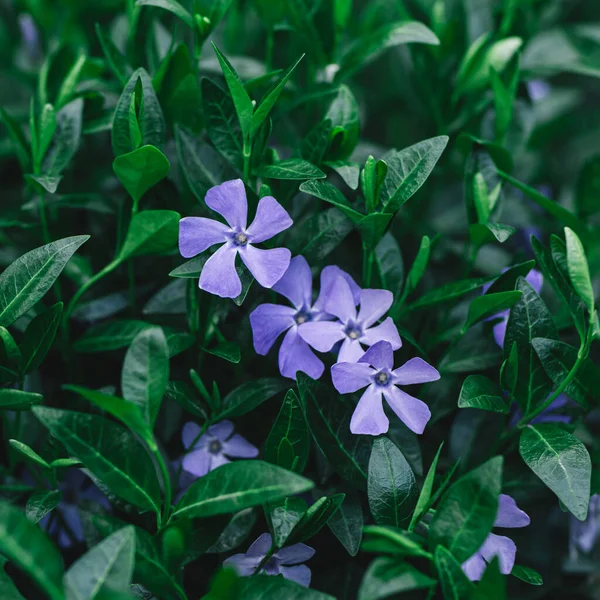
x: 391, y: 540
x: 489, y: 305
x: 41, y: 503
x: 316, y: 142
x: 248, y: 396
x: 29, y: 453
x: 293, y: 169
x: 450, y: 291
x: 344, y: 116
x: 492, y: 585
x: 426, y: 491
x: 347, y: 170
x: 387, y: 577
x: 481, y: 234
x: 283, y: 516
x: 507, y: 280
x: 372, y: 228
x: 316, y: 517
x: 115, y: 59
x: 480, y: 392
x: 527, y: 574
x: 39, y: 336
x: 329, y: 193
x: 110, y: 335
x: 579, y: 272
x: 454, y: 583
x: 66, y: 140
x: 151, y: 232
x: 347, y: 523
x: 171, y: 6
x: 261, y: 587
x: 417, y: 269
x: 12, y: 399
x: 389, y: 264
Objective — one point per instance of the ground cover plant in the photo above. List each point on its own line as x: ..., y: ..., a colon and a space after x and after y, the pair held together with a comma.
x: 297, y: 299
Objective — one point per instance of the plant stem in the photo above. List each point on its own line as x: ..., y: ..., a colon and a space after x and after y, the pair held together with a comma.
x: 166, y: 479
x: 367, y: 266
x: 247, y: 152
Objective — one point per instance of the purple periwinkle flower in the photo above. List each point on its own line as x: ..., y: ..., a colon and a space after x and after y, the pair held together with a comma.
x: 552, y: 414
x: 374, y: 371
x: 354, y: 328
x: 584, y: 534
x: 269, y: 321
x: 214, y: 448
x: 511, y: 516
x: 285, y: 561
x: 197, y: 234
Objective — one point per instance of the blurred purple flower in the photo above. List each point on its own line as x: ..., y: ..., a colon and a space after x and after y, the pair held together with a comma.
x: 269, y: 321
x: 510, y: 516
x: 551, y: 415
x: 214, y: 448
x: 538, y: 89
x: 197, y: 234
x: 374, y: 369
x: 285, y: 561
x: 354, y: 329
x: 29, y: 33
x: 583, y: 534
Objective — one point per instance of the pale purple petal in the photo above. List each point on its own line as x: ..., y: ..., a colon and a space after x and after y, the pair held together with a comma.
x: 321, y: 335
x: 502, y: 547
x: 70, y: 513
x: 368, y: 417
x: 351, y: 377
x: 295, y: 355
x: 414, y: 413
x: 300, y: 574
x: 197, y: 462
x: 243, y: 565
x: 189, y: 434
x: 380, y: 355
x: 239, y: 447
x: 271, y: 218
x: 386, y: 331
x: 296, y: 283
x: 340, y: 301
x: 219, y: 276
x: 221, y: 430
x: 196, y: 234
x: 294, y: 555
x: 474, y: 567
x: 416, y: 370
x: 373, y: 305
x: 217, y: 460
x: 260, y: 546
x: 268, y: 322
x: 499, y: 328
x: 229, y: 200
x: 351, y: 351
x: 328, y: 276
x: 267, y: 266
x: 535, y: 279
x: 509, y: 514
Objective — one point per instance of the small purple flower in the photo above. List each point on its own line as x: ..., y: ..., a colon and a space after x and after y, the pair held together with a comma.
x: 197, y: 234
x: 538, y: 89
x: 285, y: 561
x: 584, y: 534
x: 552, y: 414
x: 214, y: 448
x: 374, y: 369
x: 353, y: 328
x: 535, y: 279
x: 510, y: 516
x: 269, y: 321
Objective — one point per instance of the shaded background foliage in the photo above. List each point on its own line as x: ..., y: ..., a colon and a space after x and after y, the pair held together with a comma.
x: 513, y: 83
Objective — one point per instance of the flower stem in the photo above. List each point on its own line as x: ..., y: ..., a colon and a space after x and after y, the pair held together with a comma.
x: 367, y: 266
x: 247, y: 153
x: 167, y: 488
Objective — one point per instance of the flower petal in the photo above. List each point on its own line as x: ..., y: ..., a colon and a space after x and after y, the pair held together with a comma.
x: 340, y: 301
x: 70, y: 513
x: 229, y: 200
x: 535, y: 279
x: 219, y: 276
x: 373, y: 305
x: 217, y: 460
x: 414, y: 413
x: 243, y: 565
x: 296, y: 283
x: 295, y: 355
x: 271, y: 218
x: 197, y: 462
x: 474, y: 567
x: 379, y: 355
x: 502, y: 547
x: 351, y: 351
x: 189, y: 434
x: 499, y: 328
x: 415, y: 370
x: 294, y: 555
x: 349, y: 377
x: 299, y: 573
x: 196, y: 234
x: 368, y: 417
x: 321, y: 335
x: 239, y: 447
x: 386, y: 331
x: 509, y: 514
x: 328, y: 276
x: 261, y: 545
x: 267, y: 266
x: 221, y: 430
x: 268, y: 322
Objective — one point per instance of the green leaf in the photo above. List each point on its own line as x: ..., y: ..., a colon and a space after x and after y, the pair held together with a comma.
x: 8, y: 590
x: 11, y: 355
x: 291, y: 426
x: 489, y: 305
x: 110, y: 335
x: 417, y: 270
x: 344, y: 116
x: 316, y: 142
x: 107, y: 567
x: 329, y: 193
x: 20, y: 144
x: 466, y: 513
x: 11, y: 399
x: 454, y: 583
x: 30, y: 548
x: 146, y: 372
x: 29, y: 453
x: 283, y: 516
x: 389, y: 264
x: 481, y: 234
x: 372, y: 228
x: 329, y: 422
x: 141, y: 170
x: 562, y: 462
x: 66, y: 140
x: 292, y: 169
x: 228, y: 351
x: 408, y: 170
x: 151, y: 232
x: 316, y: 517
x: 347, y: 523
x: 450, y: 291
x: 263, y: 587
x: 579, y: 272
x: 507, y: 280
x: 527, y: 574
x: 480, y: 392
x: 27, y: 279
x: 387, y: 577
x: 239, y: 485
x: 173, y: 7
x: 492, y: 585
x: 347, y: 170
x: 39, y: 336
x: 391, y: 485
x: 111, y: 453
x: 426, y: 491
x: 41, y: 503
x: 115, y: 59
x: 69, y: 82
x: 391, y: 540
x: 248, y: 396
x: 47, y: 128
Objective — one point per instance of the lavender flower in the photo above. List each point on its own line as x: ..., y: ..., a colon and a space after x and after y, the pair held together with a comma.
x: 510, y: 516
x: 552, y: 414
x: 285, y: 561
x: 354, y: 329
x: 214, y: 448
x: 219, y: 275
x: 373, y: 369
x: 269, y: 321
x: 584, y: 534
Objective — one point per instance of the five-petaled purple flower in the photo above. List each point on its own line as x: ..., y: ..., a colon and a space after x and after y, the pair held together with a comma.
x: 269, y: 321
x: 374, y: 369
x: 511, y: 516
x: 285, y: 561
x: 353, y: 328
x: 214, y: 448
x: 219, y: 275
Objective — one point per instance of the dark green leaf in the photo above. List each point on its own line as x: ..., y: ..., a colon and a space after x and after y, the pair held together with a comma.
x: 315, y: 143
x: 489, y: 305
x: 372, y: 227
x: 347, y: 523
x: 151, y: 232
x: 171, y: 6
x: 283, y: 516
x: 8, y: 591
x: 344, y: 116
x: 316, y: 517
x: 391, y: 540
x: 527, y: 574
x: 579, y: 272
x: 387, y: 577
x: 507, y: 280
x: 39, y: 336
x: 348, y: 171
x: 455, y: 585
x: 292, y: 169
x: 11, y: 399
x: 480, y: 392
x: 389, y: 264
x: 489, y: 232
x: 41, y: 503
x: 110, y: 335
x: 115, y: 59
x: 66, y: 139
x: 588, y: 188
x: 417, y: 270
x: 18, y: 139
x: 263, y: 587
x: 248, y: 396
x: 492, y: 585
x: 426, y: 491
x: 452, y: 290
x: 29, y: 453
x: 329, y: 193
